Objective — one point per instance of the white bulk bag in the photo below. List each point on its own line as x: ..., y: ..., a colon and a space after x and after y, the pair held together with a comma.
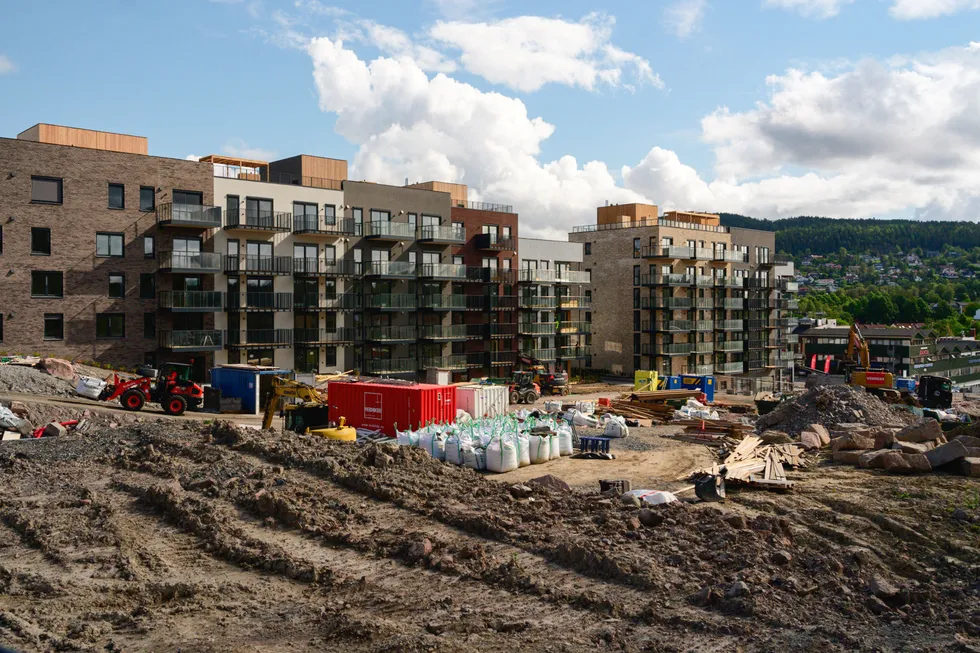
x: 435, y: 443
x: 501, y: 456
x: 584, y: 420
x: 616, y: 427
x: 585, y: 407
x: 523, y: 450
x: 565, y: 447
x: 652, y: 497
x: 454, y: 448
x: 539, y: 448
x: 555, y: 447
x: 552, y: 406
x: 89, y: 386
x: 407, y: 438
x: 474, y: 458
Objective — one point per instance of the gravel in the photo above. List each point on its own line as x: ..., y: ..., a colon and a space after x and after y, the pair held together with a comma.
x: 32, y: 381
x: 830, y: 405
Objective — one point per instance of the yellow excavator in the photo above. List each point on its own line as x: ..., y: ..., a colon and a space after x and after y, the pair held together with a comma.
x: 859, y: 373
x: 310, y: 416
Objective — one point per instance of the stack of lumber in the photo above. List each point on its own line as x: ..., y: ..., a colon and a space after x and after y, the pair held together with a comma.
x: 649, y: 404
x: 756, y: 464
x: 712, y: 432
x: 659, y: 396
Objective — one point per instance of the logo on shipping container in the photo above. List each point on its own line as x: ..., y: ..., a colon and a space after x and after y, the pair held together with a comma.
x: 372, y: 405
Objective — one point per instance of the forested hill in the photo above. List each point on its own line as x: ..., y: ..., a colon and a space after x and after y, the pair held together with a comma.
x: 826, y: 235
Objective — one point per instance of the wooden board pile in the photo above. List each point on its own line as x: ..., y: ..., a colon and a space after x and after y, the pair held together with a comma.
x: 712, y: 432
x: 650, y: 404
x: 757, y: 464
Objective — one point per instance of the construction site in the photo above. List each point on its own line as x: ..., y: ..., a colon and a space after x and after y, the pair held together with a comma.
x: 603, y: 517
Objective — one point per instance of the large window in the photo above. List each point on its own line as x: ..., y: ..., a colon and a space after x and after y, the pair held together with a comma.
x: 54, y: 326
x: 149, y: 325
x: 117, y: 196
x: 117, y: 286
x: 47, y: 284
x: 40, y: 241
x: 149, y: 247
x: 46, y: 190
x: 380, y: 216
x: 107, y: 244
x: 148, y: 285
x: 148, y: 198
x: 110, y: 325
x: 330, y: 214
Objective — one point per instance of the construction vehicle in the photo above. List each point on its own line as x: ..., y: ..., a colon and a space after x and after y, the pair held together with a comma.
x: 549, y: 383
x: 170, y: 386
x: 523, y: 389
x: 299, y: 417
x: 934, y: 392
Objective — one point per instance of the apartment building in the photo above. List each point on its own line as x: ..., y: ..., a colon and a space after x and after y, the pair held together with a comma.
x: 284, y: 263
x: 682, y: 294
x: 555, y: 301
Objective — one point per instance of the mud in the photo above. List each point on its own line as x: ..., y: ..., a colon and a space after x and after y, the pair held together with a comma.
x: 177, y: 535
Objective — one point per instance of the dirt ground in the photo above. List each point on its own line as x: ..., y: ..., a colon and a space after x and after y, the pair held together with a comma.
x: 176, y: 535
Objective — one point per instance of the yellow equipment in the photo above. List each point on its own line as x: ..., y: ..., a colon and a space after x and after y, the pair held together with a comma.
x: 857, y: 348
x: 282, y: 388
x: 339, y: 432
x: 878, y: 382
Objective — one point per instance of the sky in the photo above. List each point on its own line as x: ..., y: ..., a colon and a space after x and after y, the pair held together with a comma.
x: 769, y: 108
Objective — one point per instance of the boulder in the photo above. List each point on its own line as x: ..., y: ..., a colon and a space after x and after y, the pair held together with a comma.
x: 810, y: 440
x: 883, y: 439
x: 551, y: 482
x: 851, y: 442
x: 821, y: 432
x: 650, y: 518
x: 882, y: 587
x: 968, y: 467
x: 782, y: 557
x: 872, y: 459
x: 849, y: 456
x: 736, y: 521
x: 418, y: 550
x: 894, y: 462
x: 946, y: 453
x: 58, y: 367
x: 913, y: 447
x: 775, y: 437
x: 918, y: 462
x: 924, y: 431
x: 738, y: 588
x: 968, y: 440
x: 18, y: 408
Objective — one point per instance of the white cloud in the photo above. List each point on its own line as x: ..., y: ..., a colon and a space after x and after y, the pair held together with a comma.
x: 526, y: 52
x: 914, y: 9
x: 238, y: 147
x: 812, y: 8
x: 684, y: 16
x: 6, y: 65
x: 396, y: 43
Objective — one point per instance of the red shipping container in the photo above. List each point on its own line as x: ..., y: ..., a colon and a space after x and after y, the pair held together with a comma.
x: 382, y: 406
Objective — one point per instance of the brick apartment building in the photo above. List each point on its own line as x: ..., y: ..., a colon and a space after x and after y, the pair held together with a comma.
x: 681, y: 294
x: 283, y: 263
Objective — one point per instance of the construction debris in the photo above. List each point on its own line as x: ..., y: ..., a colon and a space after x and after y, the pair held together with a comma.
x: 829, y: 405
x: 752, y: 463
x: 712, y: 432
x: 651, y: 404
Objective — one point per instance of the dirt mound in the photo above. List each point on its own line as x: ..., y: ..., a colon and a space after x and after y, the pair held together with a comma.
x: 29, y: 380
x: 830, y: 405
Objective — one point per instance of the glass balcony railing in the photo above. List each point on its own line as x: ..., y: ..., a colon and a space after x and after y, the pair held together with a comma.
x: 390, y: 333
x: 442, y: 234
x: 190, y: 262
x: 382, y: 229
x: 188, y: 215
x: 191, y: 300
x: 391, y: 301
x: 201, y: 340
x: 389, y: 269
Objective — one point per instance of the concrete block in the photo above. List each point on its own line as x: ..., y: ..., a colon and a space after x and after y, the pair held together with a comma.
x: 968, y: 467
x: 54, y: 430
x: 895, y: 463
x: 924, y: 431
x: 851, y: 442
x: 918, y: 462
x: 872, y: 459
x: 821, y: 432
x: 11, y: 435
x: 946, y: 453
x: 848, y: 456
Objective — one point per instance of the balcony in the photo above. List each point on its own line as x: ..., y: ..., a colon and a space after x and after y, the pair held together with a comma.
x: 704, y: 347
x: 439, y: 234
x: 444, y: 333
x: 309, y: 225
x: 759, y: 324
x: 583, y: 351
x: 574, y: 276
x: 503, y: 330
x: 657, y: 349
x: 386, y: 230
x: 537, y: 276
x: 727, y: 256
x: 503, y: 358
x: 756, y: 284
x: 667, y: 279
x: 704, y: 281
x: 253, y: 220
x: 443, y: 271
x: 391, y: 302
x: 730, y: 304
x: 730, y: 325
x: 539, y: 303
x: 260, y: 301
x: 311, y: 267
x: 571, y: 328
x: 703, y: 370
x: 573, y: 302
x: 756, y: 304
x: 258, y: 265
x: 457, y: 362
x: 730, y: 346
x: 486, y: 206
x: 317, y: 302
x: 341, y: 336
x: 667, y: 303
x: 729, y: 282
x: 543, y: 354
x: 675, y: 252
x: 444, y: 302
x: 390, y: 366
x: 206, y: 262
x: 261, y: 339
x: 191, y: 340
x: 498, y: 275
x: 190, y: 301
x: 790, y: 338
x: 730, y: 368
x: 536, y: 328
x: 789, y: 286
x: 494, y: 242
x: 390, y: 334
x: 704, y: 325
x: 672, y: 326
x: 188, y: 216
x: 501, y: 302
x: 788, y: 322
x: 390, y: 269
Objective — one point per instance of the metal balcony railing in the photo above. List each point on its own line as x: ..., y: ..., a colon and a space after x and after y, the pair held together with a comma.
x: 668, y: 303
x: 190, y: 300
x: 260, y: 301
x: 261, y: 338
x: 575, y: 327
x: 450, y: 271
x: 675, y: 349
x: 444, y: 302
x: 442, y: 234
x: 705, y: 347
x: 494, y: 242
x: 572, y: 302
x: 200, y: 340
x: 498, y: 275
x: 501, y: 302
x: 391, y: 301
x: 390, y: 269
x: 190, y: 262
x: 729, y: 282
x: 320, y: 225
x: 311, y: 336
x: 729, y: 368
x: 543, y: 354
x: 444, y: 332
x: 704, y: 280
x: 553, y: 276
x: 731, y: 304
x: 502, y: 358
x: 703, y: 370
x: 486, y: 206
x: 667, y: 279
x: 327, y: 268
x: 729, y: 256
x: 188, y: 215
x: 456, y: 362
x: 582, y: 351
x: 676, y: 326
x: 540, y: 303
x: 704, y: 325
x: 730, y: 325
x: 730, y: 346
x: 383, y: 229
x: 502, y: 329
x: 258, y: 220
x: 390, y: 365
x: 390, y: 333
x: 258, y: 265
x: 536, y: 328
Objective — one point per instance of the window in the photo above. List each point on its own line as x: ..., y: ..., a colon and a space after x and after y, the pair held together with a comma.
x: 47, y: 284
x: 457, y: 260
x: 46, y: 190
x: 358, y: 215
x: 117, y: 196
x: 413, y: 220
x: 148, y: 198
x: 588, y: 316
x: 636, y: 245
x: 636, y: 298
x: 149, y: 247
x: 588, y: 249
x: 636, y: 275
x: 110, y: 325
x: 506, y: 263
x: 330, y: 214
x: 40, y: 241
x: 149, y: 325
x: 380, y: 216
x: 460, y: 227
x: 54, y: 326
x: 117, y: 286
x: 148, y: 285
x: 188, y: 198
x: 506, y: 232
x: 107, y: 245
x: 331, y: 353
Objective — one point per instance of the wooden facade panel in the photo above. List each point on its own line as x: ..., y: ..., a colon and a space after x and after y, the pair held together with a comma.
x: 87, y: 138
x: 323, y: 168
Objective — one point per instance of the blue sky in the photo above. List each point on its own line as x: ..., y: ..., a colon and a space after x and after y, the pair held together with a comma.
x: 200, y: 76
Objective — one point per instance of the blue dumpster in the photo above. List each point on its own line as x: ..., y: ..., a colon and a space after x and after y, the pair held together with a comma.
x: 251, y: 384
x: 705, y: 384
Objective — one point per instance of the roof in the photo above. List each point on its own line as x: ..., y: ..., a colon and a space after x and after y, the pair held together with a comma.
x: 233, y: 161
x: 870, y: 332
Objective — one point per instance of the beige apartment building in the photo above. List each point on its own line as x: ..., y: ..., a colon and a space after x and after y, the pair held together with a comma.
x: 681, y: 294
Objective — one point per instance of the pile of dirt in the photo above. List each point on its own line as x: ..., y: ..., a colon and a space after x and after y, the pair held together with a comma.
x: 833, y: 404
x: 131, y: 538
x: 39, y: 414
x: 23, y: 379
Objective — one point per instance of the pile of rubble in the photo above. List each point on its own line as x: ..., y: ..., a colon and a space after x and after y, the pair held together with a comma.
x: 833, y: 404
x: 917, y: 448
x: 45, y: 376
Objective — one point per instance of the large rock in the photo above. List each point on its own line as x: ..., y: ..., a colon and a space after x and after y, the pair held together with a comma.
x: 810, y: 440
x: 58, y: 367
x: 550, y: 482
x: 873, y: 459
x: 895, y: 463
x: 913, y: 447
x: 822, y: 432
x: 849, y: 456
x: 924, y: 431
x: 882, y: 587
x: 884, y: 439
x: 946, y: 453
x: 918, y: 462
x: 18, y: 408
x: 967, y: 440
x: 969, y: 467
x: 851, y: 442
